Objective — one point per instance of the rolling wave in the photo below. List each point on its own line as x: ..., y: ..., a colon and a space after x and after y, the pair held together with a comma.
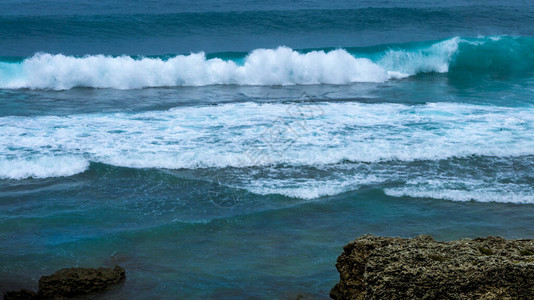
x: 280, y: 66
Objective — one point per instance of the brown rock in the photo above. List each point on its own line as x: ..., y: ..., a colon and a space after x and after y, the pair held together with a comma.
x: 421, y: 268
x: 71, y: 282
x: 78, y: 281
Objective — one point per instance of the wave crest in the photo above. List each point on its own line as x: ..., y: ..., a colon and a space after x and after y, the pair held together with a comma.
x: 281, y: 66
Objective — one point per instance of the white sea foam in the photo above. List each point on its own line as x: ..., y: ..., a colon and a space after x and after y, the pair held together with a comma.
x: 483, y: 179
x: 42, y: 167
x: 487, y: 194
x: 435, y: 58
x: 308, y: 188
x: 280, y: 66
x: 468, y: 184
x: 251, y: 134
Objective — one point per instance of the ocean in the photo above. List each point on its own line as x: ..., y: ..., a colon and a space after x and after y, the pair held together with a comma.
x: 229, y: 149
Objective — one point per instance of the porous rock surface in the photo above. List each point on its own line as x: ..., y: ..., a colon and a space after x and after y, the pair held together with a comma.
x: 421, y: 268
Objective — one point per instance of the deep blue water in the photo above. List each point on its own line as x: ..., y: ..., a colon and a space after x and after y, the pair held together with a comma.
x: 229, y: 149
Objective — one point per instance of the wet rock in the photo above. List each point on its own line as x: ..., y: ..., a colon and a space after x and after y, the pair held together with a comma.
x: 71, y: 282
x: 394, y: 268
x: 78, y: 281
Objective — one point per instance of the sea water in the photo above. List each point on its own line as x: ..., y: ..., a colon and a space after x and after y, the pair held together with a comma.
x: 229, y: 149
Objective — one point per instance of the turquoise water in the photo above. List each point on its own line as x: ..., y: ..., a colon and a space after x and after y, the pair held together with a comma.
x: 230, y: 149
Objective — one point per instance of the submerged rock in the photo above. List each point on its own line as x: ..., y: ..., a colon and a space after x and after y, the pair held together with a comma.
x: 71, y: 282
x: 394, y: 268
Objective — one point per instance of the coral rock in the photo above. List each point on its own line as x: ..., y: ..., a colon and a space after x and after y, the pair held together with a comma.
x: 394, y: 268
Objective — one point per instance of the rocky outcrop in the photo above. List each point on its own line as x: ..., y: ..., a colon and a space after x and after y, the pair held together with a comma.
x: 421, y: 268
x: 71, y: 282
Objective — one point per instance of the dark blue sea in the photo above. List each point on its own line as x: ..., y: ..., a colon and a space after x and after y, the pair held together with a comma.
x: 229, y: 149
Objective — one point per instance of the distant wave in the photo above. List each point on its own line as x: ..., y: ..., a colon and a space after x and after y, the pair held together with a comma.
x: 280, y: 66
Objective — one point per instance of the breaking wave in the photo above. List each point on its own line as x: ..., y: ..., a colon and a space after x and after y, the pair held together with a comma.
x: 280, y: 66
